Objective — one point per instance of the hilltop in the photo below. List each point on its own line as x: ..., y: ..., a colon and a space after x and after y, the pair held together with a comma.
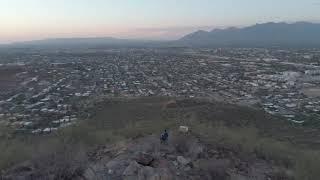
x: 119, y: 139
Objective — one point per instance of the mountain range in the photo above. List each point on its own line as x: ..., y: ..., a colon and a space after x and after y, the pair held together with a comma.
x: 259, y: 35
x: 299, y: 34
x: 91, y: 42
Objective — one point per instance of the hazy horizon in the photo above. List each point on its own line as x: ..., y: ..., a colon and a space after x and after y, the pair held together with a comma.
x: 24, y: 20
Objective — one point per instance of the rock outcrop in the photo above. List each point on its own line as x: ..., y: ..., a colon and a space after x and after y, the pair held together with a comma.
x: 147, y: 159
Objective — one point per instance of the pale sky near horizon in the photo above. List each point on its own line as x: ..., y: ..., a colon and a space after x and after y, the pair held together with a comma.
x: 22, y: 20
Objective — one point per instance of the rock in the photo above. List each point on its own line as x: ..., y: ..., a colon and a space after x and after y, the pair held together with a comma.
x: 117, y: 166
x: 175, y: 163
x: 22, y: 169
x: 132, y: 169
x: 145, y: 173
x: 121, y: 151
x: 110, y: 171
x: 171, y: 157
x: 196, y: 151
x: 160, y: 163
x: 183, y: 161
x: 97, y: 171
x: 239, y: 177
x: 149, y: 173
x: 144, y: 158
x: 162, y: 154
x: 89, y: 174
x: 184, y: 129
x: 188, y: 168
x: 162, y: 174
x: 213, y: 153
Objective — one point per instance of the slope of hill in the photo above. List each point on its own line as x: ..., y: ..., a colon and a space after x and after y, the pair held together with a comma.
x: 120, y: 140
x: 300, y: 34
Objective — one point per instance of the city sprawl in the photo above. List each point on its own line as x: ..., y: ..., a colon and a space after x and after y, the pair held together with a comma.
x: 42, y: 90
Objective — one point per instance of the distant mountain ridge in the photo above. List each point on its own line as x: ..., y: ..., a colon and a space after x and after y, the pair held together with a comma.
x: 266, y: 34
x: 90, y: 42
x: 299, y: 34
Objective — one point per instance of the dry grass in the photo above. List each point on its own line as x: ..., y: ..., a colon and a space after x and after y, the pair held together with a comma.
x: 66, y: 149
x: 82, y: 137
x: 13, y: 152
x: 307, y: 165
x: 248, y: 141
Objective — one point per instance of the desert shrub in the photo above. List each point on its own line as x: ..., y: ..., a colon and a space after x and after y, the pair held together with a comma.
x: 13, y: 152
x: 48, y: 156
x: 248, y: 141
x: 65, y: 162
x: 280, y: 152
x: 282, y: 174
x: 62, y: 152
x: 213, y: 168
x: 241, y: 140
x: 87, y: 135
x: 142, y: 128
x: 307, y: 165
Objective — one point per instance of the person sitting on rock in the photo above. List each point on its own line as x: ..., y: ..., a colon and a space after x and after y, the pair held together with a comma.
x: 164, y: 137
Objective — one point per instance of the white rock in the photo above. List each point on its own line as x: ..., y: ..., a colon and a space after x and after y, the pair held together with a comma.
x: 46, y: 130
x: 37, y: 131
x: 184, y: 129
x: 183, y: 161
x: 175, y: 163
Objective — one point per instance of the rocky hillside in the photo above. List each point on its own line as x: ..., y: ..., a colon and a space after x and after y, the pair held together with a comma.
x: 120, y: 140
x: 184, y: 157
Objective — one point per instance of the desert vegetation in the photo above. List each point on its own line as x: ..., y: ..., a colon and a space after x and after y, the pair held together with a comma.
x: 249, y: 135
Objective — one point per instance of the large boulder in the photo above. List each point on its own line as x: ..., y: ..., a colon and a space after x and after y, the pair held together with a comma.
x: 95, y: 171
x: 144, y: 159
x: 149, y: 173
x: 184, y: 129
x: 196, y: 151
x: 117, y: 166
x: 146, y: 173
x: 132, y: 169
x: 162, y: 174
x: 183, y: 161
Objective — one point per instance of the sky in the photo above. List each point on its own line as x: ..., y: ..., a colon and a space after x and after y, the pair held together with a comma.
x: 22, y: 20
